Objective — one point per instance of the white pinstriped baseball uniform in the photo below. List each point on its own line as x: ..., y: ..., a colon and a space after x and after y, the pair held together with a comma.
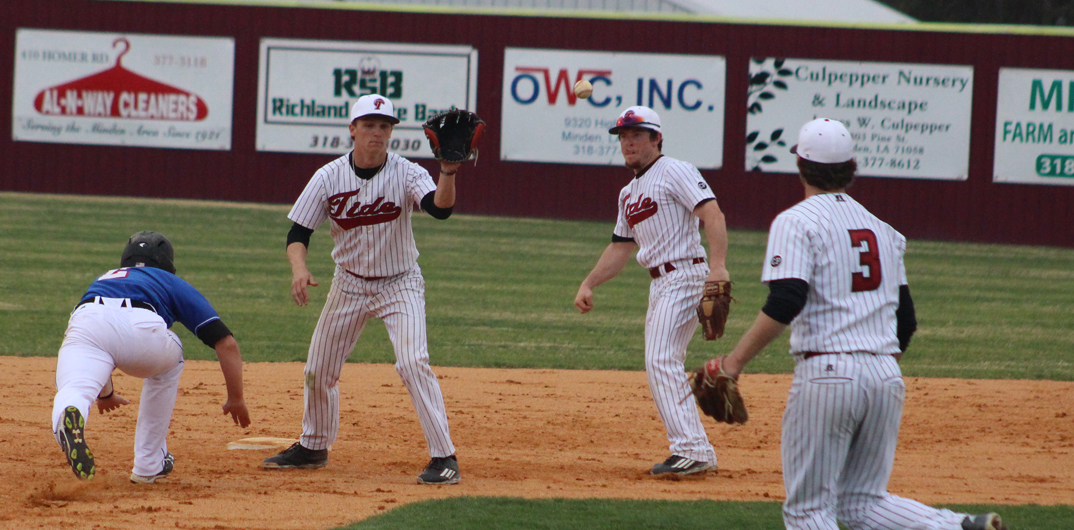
x: 842, y: 420
x: 377, y: 276
x: 656, y: 211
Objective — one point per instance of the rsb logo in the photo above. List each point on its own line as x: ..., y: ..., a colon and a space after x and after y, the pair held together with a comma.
x: 367, y: 79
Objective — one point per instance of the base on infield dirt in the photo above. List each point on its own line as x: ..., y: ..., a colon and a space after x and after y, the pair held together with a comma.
x: 261, y: 442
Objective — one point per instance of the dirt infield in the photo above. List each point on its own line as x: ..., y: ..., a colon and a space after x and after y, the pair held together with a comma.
x: 520, y: 433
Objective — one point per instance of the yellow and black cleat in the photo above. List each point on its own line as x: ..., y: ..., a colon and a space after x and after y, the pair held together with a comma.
x: 73, y: 441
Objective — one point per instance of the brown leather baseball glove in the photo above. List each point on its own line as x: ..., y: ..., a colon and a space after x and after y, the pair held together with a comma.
x: 713, y: 308
x: 717, y: 393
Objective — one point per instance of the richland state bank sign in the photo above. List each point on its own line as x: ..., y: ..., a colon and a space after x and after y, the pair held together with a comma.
x: 306, y: 89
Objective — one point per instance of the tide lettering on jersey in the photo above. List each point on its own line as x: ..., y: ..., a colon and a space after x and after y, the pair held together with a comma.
x: 376, y: 212
x: 640, y: 210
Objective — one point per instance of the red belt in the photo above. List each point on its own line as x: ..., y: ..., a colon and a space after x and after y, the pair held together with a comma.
x: 367, y: 278
x: 660, y: 270
x: 810, y: 354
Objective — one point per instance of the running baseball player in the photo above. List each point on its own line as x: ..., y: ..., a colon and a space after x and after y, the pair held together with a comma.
x: 368, y: 194
x: 835, y: 274
x: 659, y: 212
x: 122, y: 322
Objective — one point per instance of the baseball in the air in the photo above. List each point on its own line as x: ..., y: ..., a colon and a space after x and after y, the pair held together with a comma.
x: 583, y: 88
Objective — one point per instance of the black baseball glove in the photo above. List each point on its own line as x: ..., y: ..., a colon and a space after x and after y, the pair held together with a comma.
x: 453, y: 135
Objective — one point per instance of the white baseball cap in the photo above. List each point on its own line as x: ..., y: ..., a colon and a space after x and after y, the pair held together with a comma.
x: 642, y: 117
x: 824, y: 141
x: 373, y: 105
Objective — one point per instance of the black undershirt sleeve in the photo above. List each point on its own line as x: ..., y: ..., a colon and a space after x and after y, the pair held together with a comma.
x: 212, y: 332
x: 299, y: 234
x: 621, y: 239
x: 430, y: 207
x: 786, y: 298
x: 906, y: 318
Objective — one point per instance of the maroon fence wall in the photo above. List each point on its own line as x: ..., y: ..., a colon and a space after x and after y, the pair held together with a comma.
x: 973, y: 210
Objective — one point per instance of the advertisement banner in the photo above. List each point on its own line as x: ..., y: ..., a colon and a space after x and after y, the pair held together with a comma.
x: 1035, y: 127
x: 543, y: 121
x: 907, y: 120
x: 305, y: 90
x: 78, y: 87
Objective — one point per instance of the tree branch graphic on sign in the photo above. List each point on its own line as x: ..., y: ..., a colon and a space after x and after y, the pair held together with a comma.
x: 765, y: 82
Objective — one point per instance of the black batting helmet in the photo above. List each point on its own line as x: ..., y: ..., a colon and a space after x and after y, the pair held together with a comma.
x: 150, y: 249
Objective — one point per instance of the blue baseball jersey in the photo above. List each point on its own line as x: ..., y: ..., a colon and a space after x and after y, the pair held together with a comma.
x: 173, y: 298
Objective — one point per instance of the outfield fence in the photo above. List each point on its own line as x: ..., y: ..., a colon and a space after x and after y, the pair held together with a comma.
x: 962, y: 201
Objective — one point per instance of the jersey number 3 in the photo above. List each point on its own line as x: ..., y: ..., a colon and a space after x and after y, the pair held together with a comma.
x: 868, y: 257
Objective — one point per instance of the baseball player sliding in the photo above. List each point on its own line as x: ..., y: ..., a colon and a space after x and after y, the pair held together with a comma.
x: 368, y: 195
x: 122, y: 322
x: 835, y: 274
x: 658, y: 215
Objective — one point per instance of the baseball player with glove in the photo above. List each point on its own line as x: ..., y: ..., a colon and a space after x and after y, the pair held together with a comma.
x: 835, y: 274
x: 122, y: 322
x: 368, y: 195
x: 659, y: 212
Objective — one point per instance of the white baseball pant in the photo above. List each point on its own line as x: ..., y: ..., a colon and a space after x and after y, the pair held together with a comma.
x: 840, y: 430
x: 670, y: 323
x: 101, y: 338
x: 400, y: 302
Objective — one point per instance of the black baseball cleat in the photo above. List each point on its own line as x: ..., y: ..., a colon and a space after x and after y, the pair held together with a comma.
x: 681, y: 466
x: 73, y: 442
x: 297, y: 457
x: 984, y: 521
x: 441, y: 470
x: 169, y: 465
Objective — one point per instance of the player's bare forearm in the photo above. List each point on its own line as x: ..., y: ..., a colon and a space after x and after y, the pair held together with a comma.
x: 300, y: 275
x: 716, y: 236
x: 611, y: 262
x: 227, y: 351
x: 445, y: 185
x: 296, y: 254
x: 763, y: 331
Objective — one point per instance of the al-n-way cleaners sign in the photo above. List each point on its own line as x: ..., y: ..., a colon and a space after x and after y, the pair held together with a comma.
x: 123, y: 89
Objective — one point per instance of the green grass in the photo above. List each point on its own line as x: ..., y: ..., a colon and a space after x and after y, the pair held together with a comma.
x: 466, y: 513
x: 500, y: 291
